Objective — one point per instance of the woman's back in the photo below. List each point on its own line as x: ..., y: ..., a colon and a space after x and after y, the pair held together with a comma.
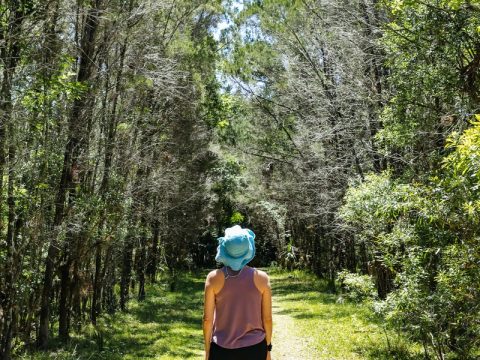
x: 238, y: 311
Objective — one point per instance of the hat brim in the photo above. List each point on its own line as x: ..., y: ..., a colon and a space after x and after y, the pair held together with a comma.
x: 235, y: 263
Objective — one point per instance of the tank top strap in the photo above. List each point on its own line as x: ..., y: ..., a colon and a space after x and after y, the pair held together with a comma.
x: 246, y: 272
x: 250, y: 273
x: 246, y: 277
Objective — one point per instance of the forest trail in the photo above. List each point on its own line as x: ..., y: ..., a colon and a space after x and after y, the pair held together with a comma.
x: 288, y: 343
x: 309, y: 324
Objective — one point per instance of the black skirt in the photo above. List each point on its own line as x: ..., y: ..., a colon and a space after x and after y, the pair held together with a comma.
x: 254, y: 352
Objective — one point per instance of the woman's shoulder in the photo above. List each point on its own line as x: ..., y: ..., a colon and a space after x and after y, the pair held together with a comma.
x: 215, y: 280
x: 260, y: 273
x: 215, y: 277
x: 262, y: 281
x: 215, y: 274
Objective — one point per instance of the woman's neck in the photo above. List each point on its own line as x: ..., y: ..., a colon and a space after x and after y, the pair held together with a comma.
x: 233, y: 272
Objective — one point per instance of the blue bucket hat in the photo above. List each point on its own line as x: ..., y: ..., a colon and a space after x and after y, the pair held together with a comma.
x: 236, y: 248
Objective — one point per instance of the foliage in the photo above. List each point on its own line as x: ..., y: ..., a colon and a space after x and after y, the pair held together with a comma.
x: 301, y: 75
x: 433, y: 228
x: 349, y: 330
x: 236, y: 218
x: 432, y: 53
x: 106, y: 119
x: 358, y: 288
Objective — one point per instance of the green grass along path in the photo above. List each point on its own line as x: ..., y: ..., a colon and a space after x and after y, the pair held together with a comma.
x: 309, y: 323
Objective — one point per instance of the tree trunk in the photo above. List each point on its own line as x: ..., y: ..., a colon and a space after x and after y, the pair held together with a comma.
x: 153, y: 253
x: 374, y: 68
x: 104, y: 187
x: 70, y: 163
x: 75, y: 296
x: 10, y: 54
x: 141, y: 272
x: 63, y: 311
x: 126, y: 272
x: 141, y: 263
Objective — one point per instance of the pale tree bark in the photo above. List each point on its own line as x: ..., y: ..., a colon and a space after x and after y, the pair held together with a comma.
x: 111, y: 125
x: 72, y: 154
x: 10, y: 33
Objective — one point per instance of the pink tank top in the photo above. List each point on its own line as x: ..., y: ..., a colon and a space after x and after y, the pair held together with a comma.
x: 238, y: 312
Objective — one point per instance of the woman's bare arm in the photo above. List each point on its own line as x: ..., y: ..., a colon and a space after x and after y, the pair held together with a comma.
x: 208, y: 310
x: 267, y: 306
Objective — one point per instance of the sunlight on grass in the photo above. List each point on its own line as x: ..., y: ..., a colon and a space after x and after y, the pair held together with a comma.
x: 338, y: 330
x: 167, y: 325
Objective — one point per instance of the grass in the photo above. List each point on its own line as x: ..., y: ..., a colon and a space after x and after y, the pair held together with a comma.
x: 337, y: 330
x: 167, y: 325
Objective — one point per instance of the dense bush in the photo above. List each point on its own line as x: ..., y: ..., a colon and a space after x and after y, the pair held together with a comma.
x: 428, y: 236
x: 357, y: 288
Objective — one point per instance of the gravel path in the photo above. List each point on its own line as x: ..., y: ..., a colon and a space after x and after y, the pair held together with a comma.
x: 287, y: 342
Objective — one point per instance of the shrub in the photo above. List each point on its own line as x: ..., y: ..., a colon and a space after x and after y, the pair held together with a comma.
x: 428, y: 234
x: 357, y: 288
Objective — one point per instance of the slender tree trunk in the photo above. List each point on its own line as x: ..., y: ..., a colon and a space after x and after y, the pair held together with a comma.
x: 10, y: 55
x: 109, y: 298
x: 375, y: 70
x: 126, y: 271
x: 153, y: 253
x: 141, y: 269
x: 97, y: 288
x: 9, y: 310
x: 70, y: 163
x: 75, y: 296
x: 104, y: 188
x: 63, y: 311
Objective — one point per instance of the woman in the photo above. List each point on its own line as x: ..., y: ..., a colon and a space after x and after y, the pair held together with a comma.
x: 237, y: 317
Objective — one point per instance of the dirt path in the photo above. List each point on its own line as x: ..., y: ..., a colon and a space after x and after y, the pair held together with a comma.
x: 287, y: 342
